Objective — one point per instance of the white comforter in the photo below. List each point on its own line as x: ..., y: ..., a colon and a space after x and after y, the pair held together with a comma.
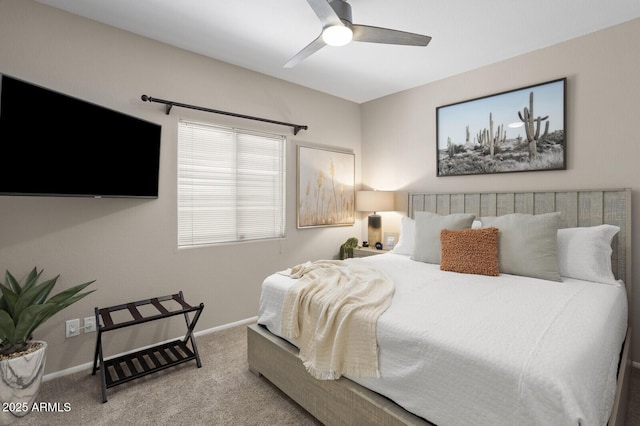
x: 461, y: 349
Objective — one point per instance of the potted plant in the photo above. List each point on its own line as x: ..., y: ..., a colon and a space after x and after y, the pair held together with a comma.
x: 346, y: 249
x: 23, y: 308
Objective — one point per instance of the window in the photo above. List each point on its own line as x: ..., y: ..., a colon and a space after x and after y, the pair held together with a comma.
x: 231, y: 185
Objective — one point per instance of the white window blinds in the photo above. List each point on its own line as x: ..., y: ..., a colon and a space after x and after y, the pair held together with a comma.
x: 231, y: 185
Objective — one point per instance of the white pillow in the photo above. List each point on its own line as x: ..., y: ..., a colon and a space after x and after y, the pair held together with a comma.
x: 585, y: 253
x: 407, y: 237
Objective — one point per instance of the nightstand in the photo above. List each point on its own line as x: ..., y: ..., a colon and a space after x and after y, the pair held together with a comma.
x: 367, y: 251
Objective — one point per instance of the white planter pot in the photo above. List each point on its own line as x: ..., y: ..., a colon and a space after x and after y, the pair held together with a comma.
x: 20, y: 380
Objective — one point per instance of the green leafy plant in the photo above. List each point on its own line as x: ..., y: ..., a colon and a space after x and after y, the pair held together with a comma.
x: 24, y: 307
x: 346, y: 249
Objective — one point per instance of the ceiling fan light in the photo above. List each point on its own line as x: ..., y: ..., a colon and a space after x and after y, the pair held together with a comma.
x: 337, y: 35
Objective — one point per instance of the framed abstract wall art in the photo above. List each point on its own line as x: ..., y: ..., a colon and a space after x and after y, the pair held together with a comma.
x: 326, y: 187
x: 516, y: 131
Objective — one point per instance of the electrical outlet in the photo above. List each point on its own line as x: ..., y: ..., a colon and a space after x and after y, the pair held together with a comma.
x: 89, y: 324
x: 72, y: 328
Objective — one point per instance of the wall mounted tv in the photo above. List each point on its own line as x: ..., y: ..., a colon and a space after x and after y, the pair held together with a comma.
x: 52, y: 144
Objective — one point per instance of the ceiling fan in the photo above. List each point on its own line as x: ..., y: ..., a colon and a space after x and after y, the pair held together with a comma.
x: 338, y: 29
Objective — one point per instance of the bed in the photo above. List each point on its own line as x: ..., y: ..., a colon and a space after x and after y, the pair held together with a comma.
x: 553, y: 381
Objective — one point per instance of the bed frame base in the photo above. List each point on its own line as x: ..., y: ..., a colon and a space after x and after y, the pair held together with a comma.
x: 619, y: 412
x: 333, y: 402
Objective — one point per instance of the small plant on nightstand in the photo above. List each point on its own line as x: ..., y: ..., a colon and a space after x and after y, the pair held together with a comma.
x: 346, y: 249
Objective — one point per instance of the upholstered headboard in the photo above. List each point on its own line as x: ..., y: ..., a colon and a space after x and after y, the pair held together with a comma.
x: 578, y: 208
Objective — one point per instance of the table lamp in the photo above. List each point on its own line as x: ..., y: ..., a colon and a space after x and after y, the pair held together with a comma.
x: 375, y: 201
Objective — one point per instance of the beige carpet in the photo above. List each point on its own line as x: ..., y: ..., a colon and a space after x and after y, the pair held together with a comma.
x: 222, y: 392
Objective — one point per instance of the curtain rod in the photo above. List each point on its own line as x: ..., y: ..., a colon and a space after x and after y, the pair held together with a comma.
x: 170, y: 104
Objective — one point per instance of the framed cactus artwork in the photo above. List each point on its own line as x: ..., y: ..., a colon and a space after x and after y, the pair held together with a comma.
x: 326, y: 187
x: 519, y: 130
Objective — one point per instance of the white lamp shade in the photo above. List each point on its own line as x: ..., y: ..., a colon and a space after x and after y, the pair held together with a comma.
x: 375, y: 201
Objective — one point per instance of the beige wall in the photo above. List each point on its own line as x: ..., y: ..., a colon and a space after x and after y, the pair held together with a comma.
x: 129, y: 246
x: 603, y: 146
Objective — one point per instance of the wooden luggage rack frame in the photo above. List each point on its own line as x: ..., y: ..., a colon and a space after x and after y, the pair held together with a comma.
x: 122, y: 369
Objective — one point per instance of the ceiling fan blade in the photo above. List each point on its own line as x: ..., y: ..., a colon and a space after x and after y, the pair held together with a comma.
x: 387, y: 36
x: 325, y: 12
x: 311, y: 48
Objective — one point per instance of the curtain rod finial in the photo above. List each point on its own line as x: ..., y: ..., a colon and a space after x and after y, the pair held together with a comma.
x: 296, y: 129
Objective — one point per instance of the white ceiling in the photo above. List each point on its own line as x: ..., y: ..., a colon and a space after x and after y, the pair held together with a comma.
x: 263, y: 35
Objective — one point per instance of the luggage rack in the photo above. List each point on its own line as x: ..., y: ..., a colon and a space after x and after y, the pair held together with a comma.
x: 122, y: 369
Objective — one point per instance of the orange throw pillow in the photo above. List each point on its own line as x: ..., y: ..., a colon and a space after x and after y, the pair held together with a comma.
x: 470, y: 251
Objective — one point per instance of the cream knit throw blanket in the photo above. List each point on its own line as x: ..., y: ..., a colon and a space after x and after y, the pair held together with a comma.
x: 331, y: 313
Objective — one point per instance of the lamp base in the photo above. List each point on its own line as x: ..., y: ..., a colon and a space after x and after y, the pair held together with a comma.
x: 375, y: 229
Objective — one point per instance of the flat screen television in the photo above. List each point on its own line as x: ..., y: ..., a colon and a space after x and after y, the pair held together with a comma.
x: 53, y: 144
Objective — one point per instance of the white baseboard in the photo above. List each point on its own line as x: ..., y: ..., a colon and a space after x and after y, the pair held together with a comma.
x: 89, y: 365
